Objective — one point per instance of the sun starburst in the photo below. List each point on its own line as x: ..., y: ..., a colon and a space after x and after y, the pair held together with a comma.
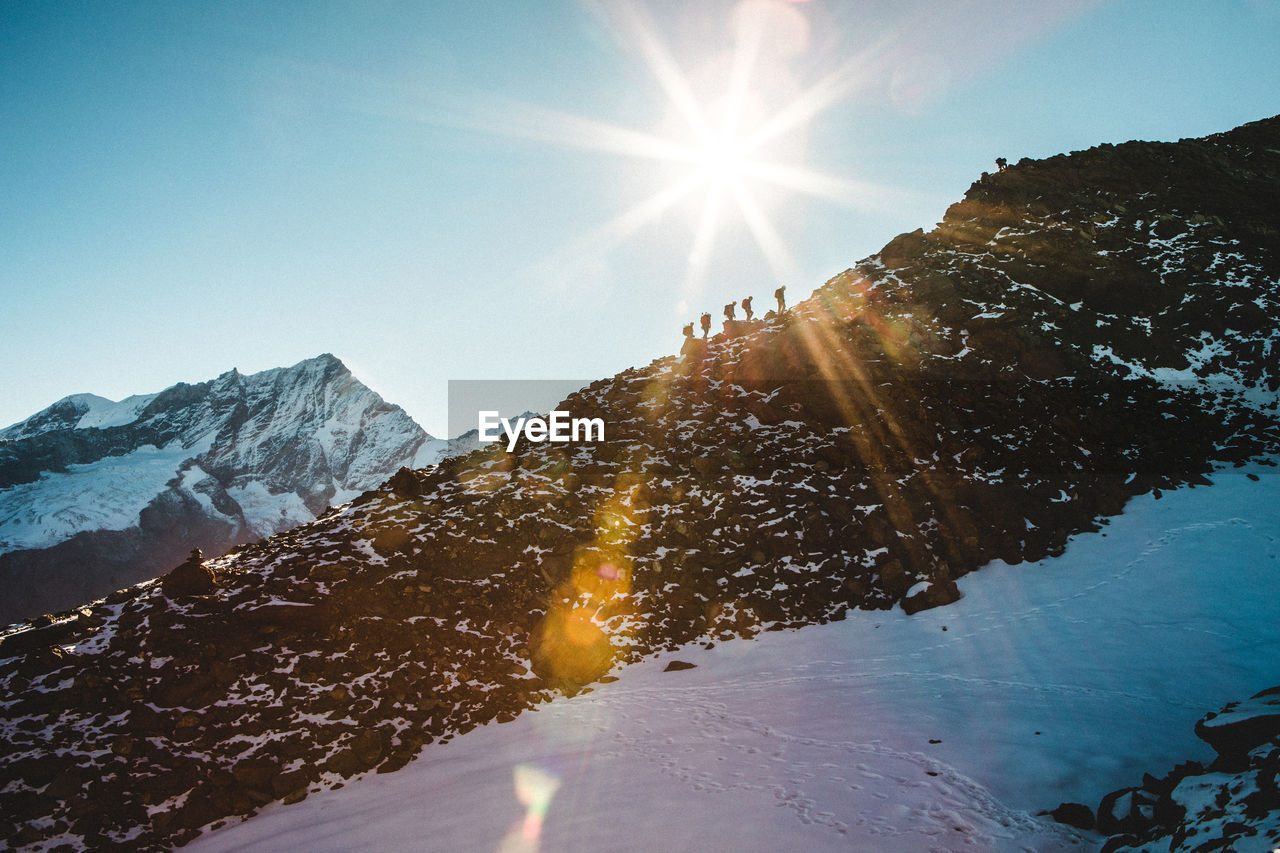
x: 732, y: 146
x: 722, y: 137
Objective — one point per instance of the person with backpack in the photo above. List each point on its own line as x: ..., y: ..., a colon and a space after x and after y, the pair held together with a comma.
x: 781, y: 295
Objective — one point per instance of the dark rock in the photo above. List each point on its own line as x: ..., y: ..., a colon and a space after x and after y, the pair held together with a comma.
x: 1242, y: 726
x: 389, y: 540
x: 1128, y: 810
x: 345, y: 763
x: 405, y: 483
x: 368, y: 747
x: 693, y: 348
x: 895, y: 579
x: 904, y: 248
x: 256, y: 772
x: 678, y: 665
x: 188, y: 579
x: 1118, y: 842
x: 938, y: 593
x: 1074, y: 814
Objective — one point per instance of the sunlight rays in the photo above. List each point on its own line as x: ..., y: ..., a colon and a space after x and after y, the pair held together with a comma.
x: 703, y: 239
x: 527, y: 121
x: 821, y: 96
x: 864, y: 195
x: 611, y: 234
x: 767, y: 237
x: 743, y: 84
x: 721, y: 151
x: 750, y: 31
x: 662, y: 65
x: 881, y: 434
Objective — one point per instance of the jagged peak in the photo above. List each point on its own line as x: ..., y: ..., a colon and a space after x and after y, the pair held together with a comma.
x: 86, y: 409
x: 326, y: 358
x: 325, y: 362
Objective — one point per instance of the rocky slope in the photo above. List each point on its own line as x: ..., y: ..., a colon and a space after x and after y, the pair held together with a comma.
x: 96, y: 495
x: 1077, y: 330
x: 1233, y: 804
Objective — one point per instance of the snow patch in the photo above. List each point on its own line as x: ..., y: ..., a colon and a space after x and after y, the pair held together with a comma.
x: 268, y: 513
x: 105, y: 413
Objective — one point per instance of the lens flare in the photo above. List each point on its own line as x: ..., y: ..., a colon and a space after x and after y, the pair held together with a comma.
x: 534, y: 789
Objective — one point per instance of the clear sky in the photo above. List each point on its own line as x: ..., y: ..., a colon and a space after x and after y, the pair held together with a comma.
x: 506, y: 190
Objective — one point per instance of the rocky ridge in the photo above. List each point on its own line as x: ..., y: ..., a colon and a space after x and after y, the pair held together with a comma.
x: 969, y: 394
x: 1233, y: 804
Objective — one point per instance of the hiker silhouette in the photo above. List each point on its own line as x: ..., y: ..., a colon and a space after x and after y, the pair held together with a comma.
x: 781, y: 295
x: 1001, y: 164
x: 728, y: 310
x: 706, y: 324
x: 746, y: 306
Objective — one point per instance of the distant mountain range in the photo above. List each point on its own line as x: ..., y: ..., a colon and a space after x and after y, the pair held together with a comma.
x: 96, y: 495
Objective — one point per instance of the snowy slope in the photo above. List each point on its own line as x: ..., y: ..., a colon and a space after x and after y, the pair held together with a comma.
x: 947, y: 730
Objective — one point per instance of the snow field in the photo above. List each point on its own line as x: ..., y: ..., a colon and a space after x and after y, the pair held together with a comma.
x: 946, y: 730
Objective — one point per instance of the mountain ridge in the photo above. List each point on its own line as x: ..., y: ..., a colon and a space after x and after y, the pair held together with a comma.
x: 97, y: 494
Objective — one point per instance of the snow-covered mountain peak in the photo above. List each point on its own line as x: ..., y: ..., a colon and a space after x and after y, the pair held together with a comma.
x: 79, y: 411
x: 117, y: 491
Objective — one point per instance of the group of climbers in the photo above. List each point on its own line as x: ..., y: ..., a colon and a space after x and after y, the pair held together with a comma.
x: 729, y: 312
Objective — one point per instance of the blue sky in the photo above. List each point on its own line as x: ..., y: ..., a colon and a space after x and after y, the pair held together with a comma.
x: 506, y: 190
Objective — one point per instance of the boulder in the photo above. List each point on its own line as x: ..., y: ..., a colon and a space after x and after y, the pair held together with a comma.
x: 256, y: 772
x: 894, y: 578
x: 1240, y: 727
x: 345, y: 763
x: 1128, y: 810
x: 1074, y: 814
x: 929, y: 594
x: 405, y: 484
x: 368, y: 747
x: 904, y: 248
x: 693, y: 348
x: 190, y: 578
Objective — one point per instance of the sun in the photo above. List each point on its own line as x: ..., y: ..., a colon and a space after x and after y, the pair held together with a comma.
x: 722, y: 161
x: 725, y: 146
